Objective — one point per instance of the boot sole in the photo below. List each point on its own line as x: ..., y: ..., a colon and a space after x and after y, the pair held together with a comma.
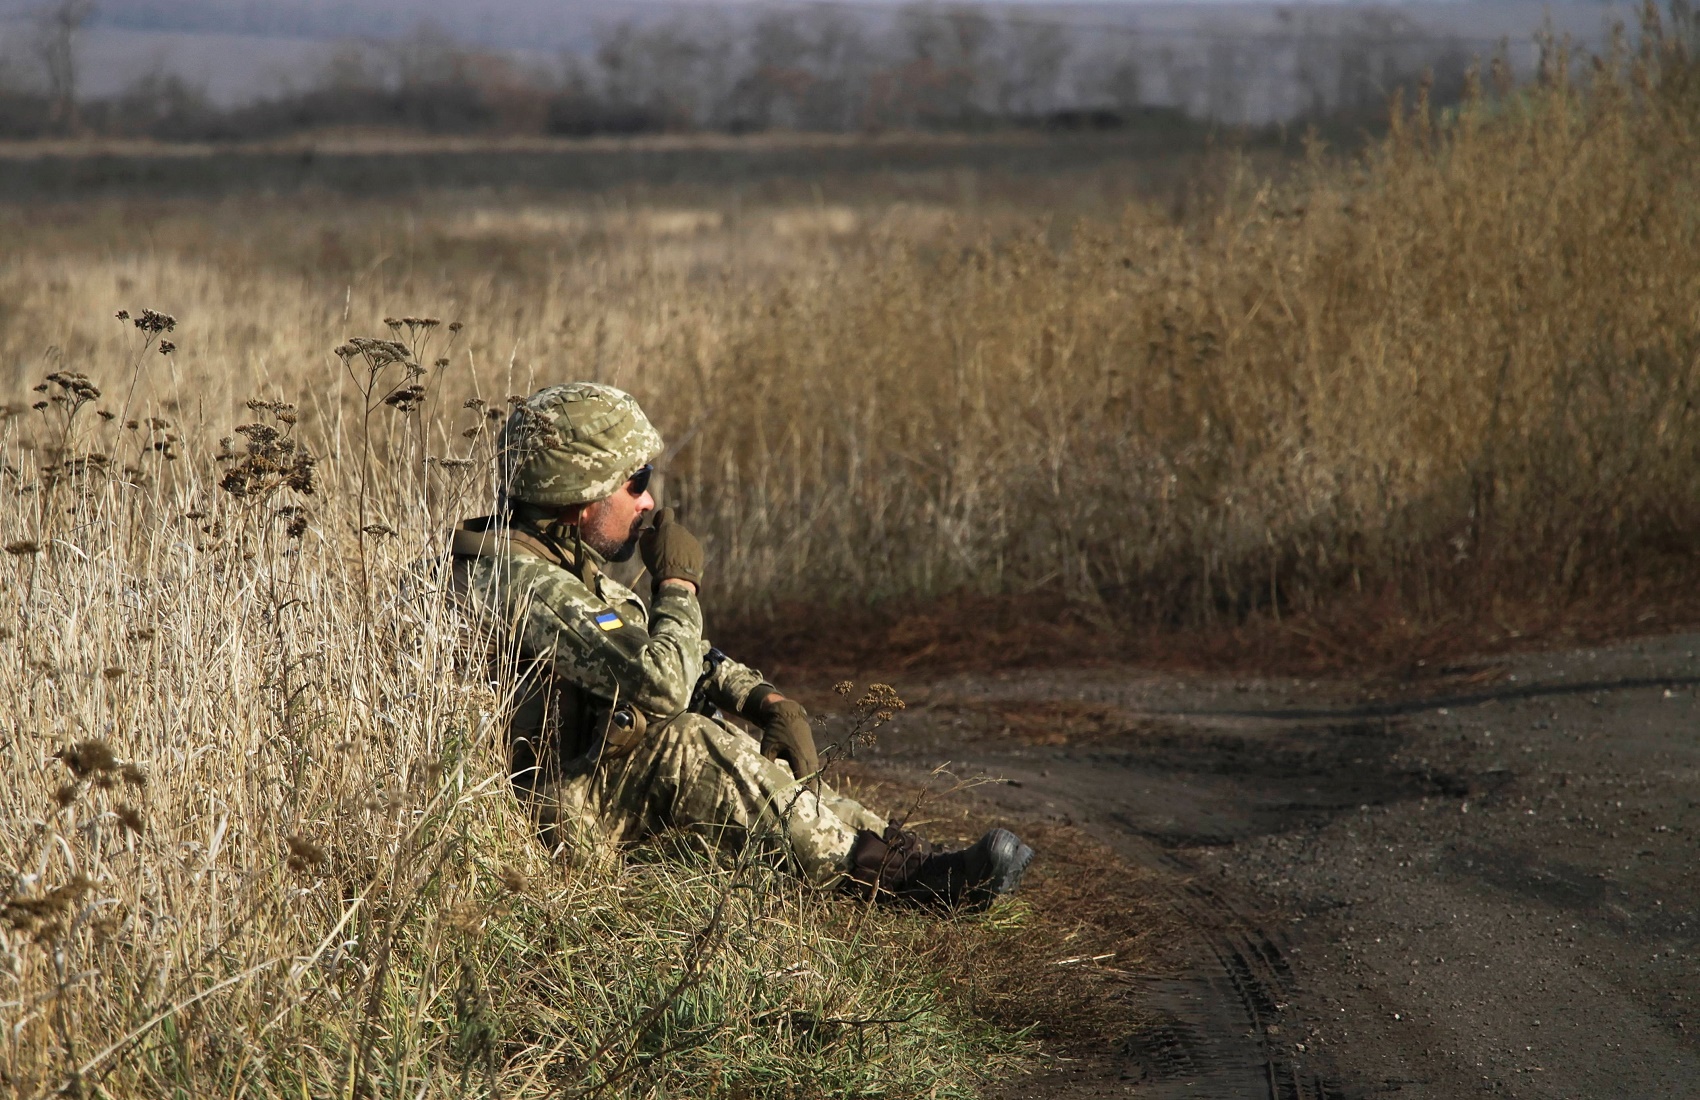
x: 1009, y: 859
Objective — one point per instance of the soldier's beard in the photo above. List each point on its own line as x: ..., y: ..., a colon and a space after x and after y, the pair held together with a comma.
x: 607, y: 547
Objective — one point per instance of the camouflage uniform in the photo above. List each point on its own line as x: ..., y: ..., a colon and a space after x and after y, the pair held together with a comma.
x: 584, y: 653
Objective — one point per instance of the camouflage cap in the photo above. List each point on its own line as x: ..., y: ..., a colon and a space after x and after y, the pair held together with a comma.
x: 573, y: 444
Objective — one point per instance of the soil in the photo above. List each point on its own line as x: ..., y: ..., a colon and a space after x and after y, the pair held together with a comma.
x: 1478, y: 882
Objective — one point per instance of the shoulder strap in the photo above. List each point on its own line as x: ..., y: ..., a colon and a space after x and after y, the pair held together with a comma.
x: 492, y: 542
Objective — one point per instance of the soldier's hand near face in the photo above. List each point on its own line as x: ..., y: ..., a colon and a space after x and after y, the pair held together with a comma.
x: 785, y: 734
x: 670, y: 552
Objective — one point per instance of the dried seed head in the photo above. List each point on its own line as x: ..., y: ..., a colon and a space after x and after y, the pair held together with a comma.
x: 41, y: 914
x: 166, y: 347
x: 406, y: 399
x: 91, y: 757
x: 465, y: 918
x: 123, y: 315
x: 109, y: 924
x: 113, y: 672
x: 66, y: 793
x: 19, y: 547
x: 513, y: 878
x: 133, y: 776
x: 131, y: 818
x: 304, y: 855
x: 140, y: 634
x: 844, y: 687
x: 153, y: 322
x: 455, y: 326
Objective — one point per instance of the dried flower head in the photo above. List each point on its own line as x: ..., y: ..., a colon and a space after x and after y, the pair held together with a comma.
x: 880, y: 702
x: 514, y: 879
x: 91, y: 757
x: 18, y: 547
x: 133, y: 776
x: 406, y: 399
x: 465, y: 918
x: 131, y: 818
x: 304, y: 855
x: 166, y: 347
x: 109, y: 923
x: 41, y: 915
x: 152, y: 322
x: 66, y: 793
x: 113, y: 672
x: 74, y: 385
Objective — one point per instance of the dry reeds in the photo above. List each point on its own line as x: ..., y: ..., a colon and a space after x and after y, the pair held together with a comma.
x: 256, y: 837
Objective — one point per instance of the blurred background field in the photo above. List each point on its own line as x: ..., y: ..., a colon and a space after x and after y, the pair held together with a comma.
x: 1075, y: 380
x: 1157, y: 388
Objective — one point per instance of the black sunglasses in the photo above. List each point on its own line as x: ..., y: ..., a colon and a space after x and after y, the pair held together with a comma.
x: 638, y: 483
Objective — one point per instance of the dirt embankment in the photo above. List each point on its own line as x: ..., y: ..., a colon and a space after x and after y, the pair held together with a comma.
x: 1481, y: 884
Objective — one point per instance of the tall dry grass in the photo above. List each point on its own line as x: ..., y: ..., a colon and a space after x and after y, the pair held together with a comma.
x: 256, y: 833
x: 1460, y: 370
x: 1453, y: 377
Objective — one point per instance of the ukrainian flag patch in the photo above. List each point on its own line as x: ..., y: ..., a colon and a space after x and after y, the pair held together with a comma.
x: 609, y: 621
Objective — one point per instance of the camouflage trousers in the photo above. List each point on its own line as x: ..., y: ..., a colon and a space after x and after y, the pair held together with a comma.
x: 695, y: 777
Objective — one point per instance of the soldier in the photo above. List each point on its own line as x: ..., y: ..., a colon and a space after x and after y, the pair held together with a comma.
x: 613, y: 737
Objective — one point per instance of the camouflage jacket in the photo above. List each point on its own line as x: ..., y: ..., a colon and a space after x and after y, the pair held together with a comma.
x: 582, y: 641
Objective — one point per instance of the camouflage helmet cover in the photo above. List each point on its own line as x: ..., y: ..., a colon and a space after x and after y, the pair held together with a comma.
x: 573, y: 444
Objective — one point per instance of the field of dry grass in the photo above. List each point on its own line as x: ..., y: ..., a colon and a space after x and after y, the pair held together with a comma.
x: 254, y: 831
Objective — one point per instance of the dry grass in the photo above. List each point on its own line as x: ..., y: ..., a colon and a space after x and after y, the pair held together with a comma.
x: 1452, y: 384
x: 256, y: 831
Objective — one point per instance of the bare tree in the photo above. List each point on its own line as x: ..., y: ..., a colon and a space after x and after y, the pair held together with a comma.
x: 1034, y: 53
x: 58, y: 25
x: 1114, y: 77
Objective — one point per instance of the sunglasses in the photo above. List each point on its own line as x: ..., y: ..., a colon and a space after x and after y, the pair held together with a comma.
x: 638, y: 483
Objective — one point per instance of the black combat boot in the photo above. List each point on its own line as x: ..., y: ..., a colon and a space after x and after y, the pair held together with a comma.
x: 901, y: 865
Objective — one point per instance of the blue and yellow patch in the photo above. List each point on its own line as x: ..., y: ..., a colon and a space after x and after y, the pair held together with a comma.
x: 609, y: 621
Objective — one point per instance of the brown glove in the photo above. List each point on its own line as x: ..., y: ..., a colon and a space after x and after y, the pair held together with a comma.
x: 670, y: 552
x: 785, y: 734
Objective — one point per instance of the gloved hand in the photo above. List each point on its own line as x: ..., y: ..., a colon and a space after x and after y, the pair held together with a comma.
x: 785, y: 734
x: 670, y: 552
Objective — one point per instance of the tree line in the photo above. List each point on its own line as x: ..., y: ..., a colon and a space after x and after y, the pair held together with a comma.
x: 820, y: 68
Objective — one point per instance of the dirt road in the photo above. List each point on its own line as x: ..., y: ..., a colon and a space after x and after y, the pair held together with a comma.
x: 1481, y: 882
